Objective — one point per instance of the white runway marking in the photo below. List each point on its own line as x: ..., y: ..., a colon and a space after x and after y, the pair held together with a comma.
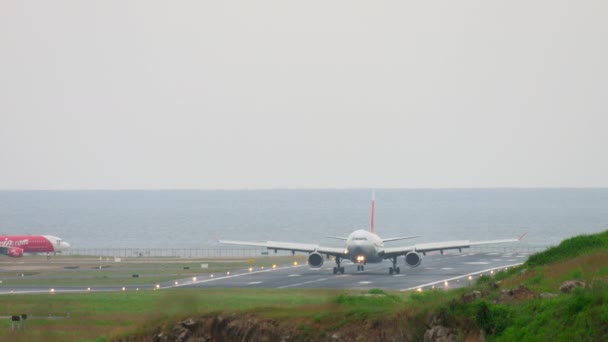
x: 511, y: 260
x: 399, y: 275
x: 496, y: 259
x: 493, y: 253
x: 520, y: 256
x: 227, y: 277
x: 476, y: 263
x: 304, y: 283
x: 459, y: 277
x: 365, y: 282
x: 447, y: 268
x: 254, y: 282
x: 294, y: 275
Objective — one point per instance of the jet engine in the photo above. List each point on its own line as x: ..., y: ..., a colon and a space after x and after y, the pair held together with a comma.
x: 413, y: 259
x: 315, y: 260
x: 15, y: 252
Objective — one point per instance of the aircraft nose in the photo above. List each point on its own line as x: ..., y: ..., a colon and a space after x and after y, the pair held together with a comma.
x: 357, y: 250
x: 64, y: 245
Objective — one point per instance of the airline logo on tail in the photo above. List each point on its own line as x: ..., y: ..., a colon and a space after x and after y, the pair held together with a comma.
x: 373, y: 226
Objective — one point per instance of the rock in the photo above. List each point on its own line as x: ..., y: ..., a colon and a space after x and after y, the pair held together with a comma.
x: 505, y: 295
x: 160, y: 337
x: 436, y: 332
x: 570, y: 285
x: 190, y: 324
x: 433, y: 320
x: 519, y: 293
x: 181, y: 334
x: 439, y: 333
x: 470, y: 297
x: 547, y: 295
x: 494, y: 284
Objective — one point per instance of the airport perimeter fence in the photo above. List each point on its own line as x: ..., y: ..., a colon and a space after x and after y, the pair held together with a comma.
x: 250, y: 252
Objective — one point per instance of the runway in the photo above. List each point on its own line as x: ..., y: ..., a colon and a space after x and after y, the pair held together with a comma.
x: 436, y: 271
x: 449, y: 270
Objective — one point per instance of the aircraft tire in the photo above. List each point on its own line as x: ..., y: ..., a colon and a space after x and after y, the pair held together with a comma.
x: 390, y: 270
x: 335, y: 270
x: 342, y: 270
x: 397, y: 270
x: 362, y: 268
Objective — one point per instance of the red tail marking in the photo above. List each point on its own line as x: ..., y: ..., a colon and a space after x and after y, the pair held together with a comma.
x: 373, y: 226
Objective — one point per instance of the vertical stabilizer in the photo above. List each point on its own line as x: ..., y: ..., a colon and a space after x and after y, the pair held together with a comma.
x: 373, y: 225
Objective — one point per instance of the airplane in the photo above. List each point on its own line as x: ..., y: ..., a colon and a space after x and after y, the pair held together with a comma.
x: 364, y: 247
x: 15, y: 245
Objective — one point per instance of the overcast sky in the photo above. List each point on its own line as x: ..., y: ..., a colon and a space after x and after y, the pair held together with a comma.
x: 303, y: 94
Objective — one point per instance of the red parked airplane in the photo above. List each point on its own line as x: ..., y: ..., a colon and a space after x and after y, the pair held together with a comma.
x: 15, y: 245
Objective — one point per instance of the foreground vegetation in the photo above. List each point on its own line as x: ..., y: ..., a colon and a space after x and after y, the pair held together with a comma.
x: 507, y: 307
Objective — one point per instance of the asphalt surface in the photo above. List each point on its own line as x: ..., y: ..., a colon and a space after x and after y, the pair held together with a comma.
x: 449, y: 270
x: 435, y: 271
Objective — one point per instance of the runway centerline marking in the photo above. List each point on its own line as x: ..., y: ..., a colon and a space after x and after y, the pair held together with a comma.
x: 476, y: 263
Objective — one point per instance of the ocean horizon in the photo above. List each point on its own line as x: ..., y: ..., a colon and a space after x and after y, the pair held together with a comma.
x: 198, y: 218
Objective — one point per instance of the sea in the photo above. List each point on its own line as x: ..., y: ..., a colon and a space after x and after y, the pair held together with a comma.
x: 198, y: 218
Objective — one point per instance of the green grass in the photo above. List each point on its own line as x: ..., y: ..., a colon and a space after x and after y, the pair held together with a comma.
x: 581, y: 316
x: 570, y: 248
x: 82, y: 316
x: 373, y: 304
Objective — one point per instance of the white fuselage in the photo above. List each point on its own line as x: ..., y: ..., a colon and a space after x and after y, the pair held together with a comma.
x: 363, y: 246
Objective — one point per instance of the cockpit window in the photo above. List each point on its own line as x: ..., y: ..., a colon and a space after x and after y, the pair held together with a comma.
x: 360, y: 239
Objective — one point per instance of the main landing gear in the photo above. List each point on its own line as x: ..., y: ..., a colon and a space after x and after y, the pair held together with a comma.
x: 338, y: 268
x: 394, y: 269
x: 359, y: 267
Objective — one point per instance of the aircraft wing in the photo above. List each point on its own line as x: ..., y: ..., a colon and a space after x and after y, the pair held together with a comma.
x: 337, y: 237
x: 400, y: 238
x: 289, y: 246
x: 390, y: 252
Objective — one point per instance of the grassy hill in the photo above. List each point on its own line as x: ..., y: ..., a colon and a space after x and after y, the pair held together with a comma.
x: 526, y: 304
